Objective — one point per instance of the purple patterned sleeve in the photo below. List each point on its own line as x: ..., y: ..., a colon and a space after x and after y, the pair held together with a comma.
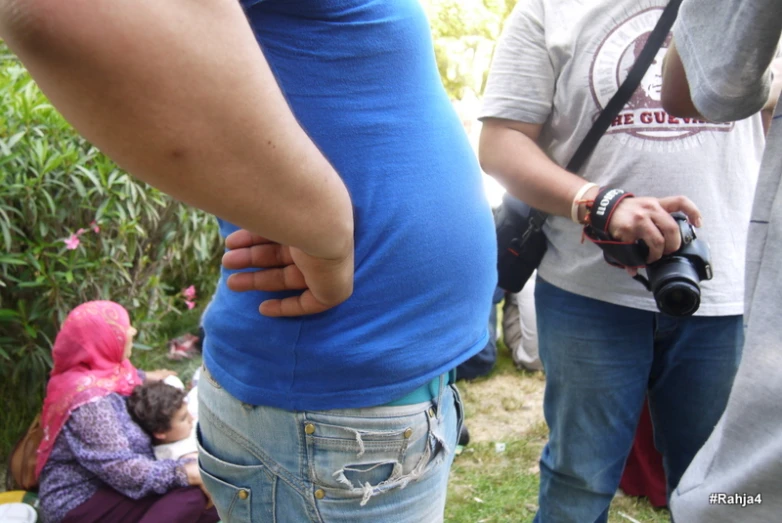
x: 142, y: 375
x: 98, y: 439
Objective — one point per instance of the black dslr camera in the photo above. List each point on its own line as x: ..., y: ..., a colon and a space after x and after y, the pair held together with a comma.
x: 674, y: 278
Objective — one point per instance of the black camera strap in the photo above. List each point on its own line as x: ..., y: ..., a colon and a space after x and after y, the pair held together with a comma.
x: 616, y: 253
x: 618, y: 101
x: 605, y: 203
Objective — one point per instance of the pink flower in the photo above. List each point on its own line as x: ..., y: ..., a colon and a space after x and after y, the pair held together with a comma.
x: 190, y: 304
x: 189, y: 293
x: 94, y: 226
x: 72, y: 243
x: 80, y: 232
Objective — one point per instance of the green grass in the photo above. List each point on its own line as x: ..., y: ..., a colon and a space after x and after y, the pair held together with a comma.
x: 494, y: 487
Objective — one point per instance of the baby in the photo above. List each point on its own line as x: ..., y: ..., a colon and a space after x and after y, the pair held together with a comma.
x: 160, y: 409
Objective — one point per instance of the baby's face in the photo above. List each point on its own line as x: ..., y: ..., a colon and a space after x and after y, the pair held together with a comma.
x: 181, y: 425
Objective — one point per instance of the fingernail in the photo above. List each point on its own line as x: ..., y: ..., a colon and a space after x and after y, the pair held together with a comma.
x: 699, y: 222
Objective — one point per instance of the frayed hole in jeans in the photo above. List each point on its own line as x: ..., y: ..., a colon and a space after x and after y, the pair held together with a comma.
x: 360, y: 474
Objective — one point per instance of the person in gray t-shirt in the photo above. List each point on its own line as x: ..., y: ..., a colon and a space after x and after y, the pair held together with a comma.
x: 718, y: 68
x: 602, y: 340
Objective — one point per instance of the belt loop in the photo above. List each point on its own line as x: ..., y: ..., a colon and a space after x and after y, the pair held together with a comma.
x: 441, y: 389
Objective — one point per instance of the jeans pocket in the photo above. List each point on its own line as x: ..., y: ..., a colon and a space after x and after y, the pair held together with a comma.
x: 362, y: 457
x: 238, y: 491
x: 234, y: 504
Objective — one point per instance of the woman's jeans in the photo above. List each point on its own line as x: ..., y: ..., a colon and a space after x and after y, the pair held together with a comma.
x: 381, y: 464
x: 600, y: 360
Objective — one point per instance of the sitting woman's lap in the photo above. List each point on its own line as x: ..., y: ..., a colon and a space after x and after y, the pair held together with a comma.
x: 182, y: 505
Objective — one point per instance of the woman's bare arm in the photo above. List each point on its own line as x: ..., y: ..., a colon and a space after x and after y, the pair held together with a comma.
x: 178, y: 93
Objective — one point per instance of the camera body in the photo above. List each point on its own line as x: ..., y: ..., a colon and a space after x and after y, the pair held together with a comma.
x: 673, y: 279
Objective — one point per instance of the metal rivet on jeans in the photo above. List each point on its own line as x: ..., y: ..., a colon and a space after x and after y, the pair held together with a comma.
x: 243, y: 494
x: 309, y: 428
x: 320, y: 494
x: 408, y: 433
x: 431, y: 413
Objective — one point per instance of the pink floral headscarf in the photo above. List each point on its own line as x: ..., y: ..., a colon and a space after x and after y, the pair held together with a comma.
x: 89, y: 363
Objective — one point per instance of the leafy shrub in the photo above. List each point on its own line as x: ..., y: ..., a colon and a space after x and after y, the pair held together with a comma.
x: 74, y: 227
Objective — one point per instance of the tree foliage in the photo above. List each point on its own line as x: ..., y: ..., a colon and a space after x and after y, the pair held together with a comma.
x: 74, y: 227
x: 464, y: 33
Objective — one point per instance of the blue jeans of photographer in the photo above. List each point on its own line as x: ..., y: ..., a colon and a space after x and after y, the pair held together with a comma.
x: 600, y: 360
x: 381, y: 464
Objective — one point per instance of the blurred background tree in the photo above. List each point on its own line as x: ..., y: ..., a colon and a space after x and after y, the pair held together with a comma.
x: 464, y: 33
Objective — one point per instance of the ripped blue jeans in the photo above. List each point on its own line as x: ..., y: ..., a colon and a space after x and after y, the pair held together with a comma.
x: 380, y: 464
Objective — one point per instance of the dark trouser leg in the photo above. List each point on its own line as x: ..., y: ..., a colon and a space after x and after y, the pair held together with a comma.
x: 696, y: 360
x: 597, y: 358
x: 183, y: 505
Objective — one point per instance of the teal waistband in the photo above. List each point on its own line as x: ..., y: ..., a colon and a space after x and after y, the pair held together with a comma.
x: 426, y: 392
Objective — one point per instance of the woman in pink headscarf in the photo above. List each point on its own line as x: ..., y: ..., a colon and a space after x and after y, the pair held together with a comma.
x: 94, y: 463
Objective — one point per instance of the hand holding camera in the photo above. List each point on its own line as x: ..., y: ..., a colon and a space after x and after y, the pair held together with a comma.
x: 655, y: 234
x: 645, y: 219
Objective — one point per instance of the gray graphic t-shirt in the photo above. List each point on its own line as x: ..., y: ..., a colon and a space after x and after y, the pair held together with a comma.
x: 558, y: 63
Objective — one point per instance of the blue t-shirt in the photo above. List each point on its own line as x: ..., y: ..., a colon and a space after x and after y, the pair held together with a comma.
x: 361, y: 78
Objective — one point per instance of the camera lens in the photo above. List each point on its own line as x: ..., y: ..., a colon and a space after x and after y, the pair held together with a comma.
x: 678, y: 298
x: 674, y: 283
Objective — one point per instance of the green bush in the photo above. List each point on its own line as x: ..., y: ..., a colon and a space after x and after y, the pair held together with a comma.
x: 74, y: 227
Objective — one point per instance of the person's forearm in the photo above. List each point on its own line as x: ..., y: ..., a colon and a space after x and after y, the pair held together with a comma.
x: 509, y: 152
x: 179, y: 94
